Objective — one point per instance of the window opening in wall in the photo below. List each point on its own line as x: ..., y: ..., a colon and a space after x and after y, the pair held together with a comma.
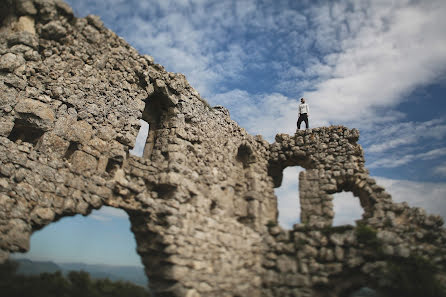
x: 141, y: 139
x: 25, y: 133
x: 245, y: 155
x: 100, y: 244
x: 74, y: 146
x: 114, y: 164
x: 347, y: 209
x: 288, y: 203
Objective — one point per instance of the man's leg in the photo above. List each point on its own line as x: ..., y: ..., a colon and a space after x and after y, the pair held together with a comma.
x: 306, y: 122
x: 299, y: 121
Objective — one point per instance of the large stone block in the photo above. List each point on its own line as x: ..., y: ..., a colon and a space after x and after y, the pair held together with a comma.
x: 82, y: 162
x: 35, y: 113
x: 53, y: 30
x: 9, y: 62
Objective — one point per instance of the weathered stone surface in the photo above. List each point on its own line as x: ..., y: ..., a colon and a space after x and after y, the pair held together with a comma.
x: 25, y: 7
x: 201, y: 199
x: 9, y: 62
x: 83, y: 162
x: 35, y: 113
x: 51, y: 143
x: 25, y: 38
x: 53, y: 30
x: 26, y: 24
x: 6, y: 125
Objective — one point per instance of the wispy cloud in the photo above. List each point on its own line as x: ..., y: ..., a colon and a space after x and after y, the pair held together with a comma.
x: 440, y: 169
x: 265, y: 114
x: 428, y: 195
x: 106, y: 214
x: 350, y: 58
x: 394, y: 161
x: 380, y: 58
x: 354, y: 61
x: 405, y: 133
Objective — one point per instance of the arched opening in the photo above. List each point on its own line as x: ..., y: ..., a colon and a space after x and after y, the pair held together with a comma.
x: 288, y: 202
x: 347, y: 209
x: 141, y: 139
x: 156, y: 107
x: 100, y: 244
x: 351, y: 283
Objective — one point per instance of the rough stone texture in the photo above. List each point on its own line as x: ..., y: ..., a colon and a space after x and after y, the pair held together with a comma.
x: 201, y: 200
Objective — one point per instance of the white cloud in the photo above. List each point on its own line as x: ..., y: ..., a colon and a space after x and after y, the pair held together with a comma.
x: 392, y: 162
x: 354, y: 61
x: 347, y: 209
x: 391, y: 49
x: 428, y: 195
x: 350, y: 59
x: 440, y: 169
x: 265, y: 114
x: 398, y: 134
x: 106, y: 214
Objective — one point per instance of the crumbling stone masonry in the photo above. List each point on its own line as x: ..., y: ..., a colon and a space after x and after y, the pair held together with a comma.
x: 201, y: 200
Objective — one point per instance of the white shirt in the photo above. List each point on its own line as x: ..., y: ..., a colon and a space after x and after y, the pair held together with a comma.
x: 303, y: 108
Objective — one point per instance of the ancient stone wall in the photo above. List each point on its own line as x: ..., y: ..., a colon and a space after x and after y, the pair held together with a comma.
x: 316, y: 259
x: 201, y: 199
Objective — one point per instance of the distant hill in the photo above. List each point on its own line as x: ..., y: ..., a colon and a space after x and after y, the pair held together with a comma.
x: 28, y: 267
x: 133, y: 274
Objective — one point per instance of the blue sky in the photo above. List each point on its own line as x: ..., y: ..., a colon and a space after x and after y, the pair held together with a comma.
x: 379, y: 66
x: 103, y: 237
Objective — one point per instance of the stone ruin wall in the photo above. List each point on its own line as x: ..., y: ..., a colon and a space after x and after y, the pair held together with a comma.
x: 201, y: 199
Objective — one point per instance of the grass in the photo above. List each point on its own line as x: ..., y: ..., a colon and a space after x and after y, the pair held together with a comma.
x: 412, y: 277
x: 367, y: 236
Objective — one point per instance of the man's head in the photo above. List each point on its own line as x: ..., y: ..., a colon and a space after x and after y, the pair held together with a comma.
x: 302, y: 100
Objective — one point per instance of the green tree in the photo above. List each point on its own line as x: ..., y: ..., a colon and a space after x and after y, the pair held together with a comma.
x: 77, y: 284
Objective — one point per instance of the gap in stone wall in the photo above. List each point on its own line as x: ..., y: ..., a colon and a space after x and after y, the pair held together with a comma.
x: 153, y: 114
x: 100, y: 244
x: 114, y: 164
x: 74, y: 146
x: 347, y: 209
x: 288, y: 197
x: 138, y: 149
x: 245, y: 155
x: 25, y: 133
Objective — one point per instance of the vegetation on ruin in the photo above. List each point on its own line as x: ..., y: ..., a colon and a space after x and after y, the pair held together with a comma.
x: 367, y: 235
x: 75, y: 284
x: 414, y: 276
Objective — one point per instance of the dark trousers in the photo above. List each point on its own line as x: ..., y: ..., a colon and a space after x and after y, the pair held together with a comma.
x: 303, y: 117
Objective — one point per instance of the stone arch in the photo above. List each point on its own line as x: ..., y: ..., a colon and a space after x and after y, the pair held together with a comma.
x: 319, y: 204
x: 103, y: 232
x: 343, y: 285
x: 152, y: 115
x: 288, y: 197
x: 146, y: 226
x: 327, y: 171
x: 286, y: 155
x: 245, y: 154
x: 347, y: 209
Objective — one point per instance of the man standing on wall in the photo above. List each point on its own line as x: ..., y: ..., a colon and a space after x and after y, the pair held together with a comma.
x: 304, y: 113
